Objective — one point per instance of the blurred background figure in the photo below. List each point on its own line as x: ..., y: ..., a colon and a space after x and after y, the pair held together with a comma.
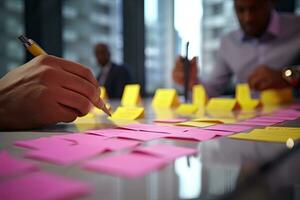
x: 112, y: 76
x: 256, y: 53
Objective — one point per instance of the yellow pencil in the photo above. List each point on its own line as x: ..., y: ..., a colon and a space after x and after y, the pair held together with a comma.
x: 36, y: 50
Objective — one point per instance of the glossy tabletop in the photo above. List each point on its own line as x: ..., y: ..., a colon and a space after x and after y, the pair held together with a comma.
x: 222, y: 165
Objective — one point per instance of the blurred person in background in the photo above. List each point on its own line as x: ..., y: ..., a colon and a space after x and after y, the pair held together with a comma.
x: 112, y: 76
x: 256, y: 53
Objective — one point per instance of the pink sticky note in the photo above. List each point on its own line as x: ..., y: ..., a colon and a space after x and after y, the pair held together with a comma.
x: 196, y: 134
x: 288, y: 112
x: 142, y: 135
x: 42, y: 186
x: 267, y: 119
x: 10, y: 166
x: 294, y: 106
x: 126, y: 165
x: 256, y: 123
x: 175, y: 120
x: 115, y: 144
x: 166, y: 151
x: 283, y: 116
x: 65, y: 155
x: 43, y: 143
x: 128, y: 134
x: 231, y: 128
x: 156, y: 128
x: 81, y: 138
x: 114, y: 132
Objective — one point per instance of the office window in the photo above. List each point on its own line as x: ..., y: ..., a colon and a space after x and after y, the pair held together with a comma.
x: 159, y: 44
x: 218, y: 19
x: 11, y: 26
x: 87, y: 23
x: 298, y: 7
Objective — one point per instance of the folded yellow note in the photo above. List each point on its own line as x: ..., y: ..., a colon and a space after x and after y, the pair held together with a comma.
x: 128, y: 113
x: 165, y: 98
x: 195, y: 124
x: 276, y: 97
x: 186, y: 109
x: 199, y: 96
x: 216, y: 120
x: 222, y: 104
x: 243, y: 96
x: 131, y: 95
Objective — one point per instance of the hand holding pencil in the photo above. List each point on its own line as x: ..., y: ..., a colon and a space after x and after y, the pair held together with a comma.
x: 78, y: 70
x: 46, y: 90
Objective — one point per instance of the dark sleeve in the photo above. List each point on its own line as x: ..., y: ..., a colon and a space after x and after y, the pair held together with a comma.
x: 121, y: 79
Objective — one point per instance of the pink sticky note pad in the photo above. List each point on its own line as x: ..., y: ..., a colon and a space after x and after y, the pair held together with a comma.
x: 131, y: 165
x: 231, y: 128
x: 65, y: 155
x: 43, y: 143
x: 166, y: 151
x: 156, y: 128
x: 175, y: 120
x: 10, y: 166
x: 42, y: 186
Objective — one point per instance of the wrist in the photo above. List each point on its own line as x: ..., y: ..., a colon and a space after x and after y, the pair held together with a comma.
x: 291, y: 75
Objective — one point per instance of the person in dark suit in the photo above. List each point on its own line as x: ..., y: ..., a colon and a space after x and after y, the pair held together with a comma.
x: 112, y: 76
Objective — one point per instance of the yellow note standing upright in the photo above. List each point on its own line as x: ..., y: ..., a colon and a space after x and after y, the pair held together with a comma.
x: 277, y: 97
x: 199, y: 96
x: 165, y: 98
x: 243, y: 96
x: 131, y: 95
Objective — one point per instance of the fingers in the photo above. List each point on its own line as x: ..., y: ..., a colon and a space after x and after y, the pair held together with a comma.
x: 71, y: 67
x: 81, y: 86
x: 73, y: 102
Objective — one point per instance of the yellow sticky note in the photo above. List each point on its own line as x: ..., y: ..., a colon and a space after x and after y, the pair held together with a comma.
x: 195, y: 124
x: 186, y: 109
x: 265, y: 135
x: 199, y: 96
x: 216, y: 120
x: 276, y: 97
x: 128, y: 113
x: 131, y: 95
x: 103, y: 93
x: 242, y: 92
x: 282, y: 128
x: 165, y: 98
x: 243, y: 96
x: 222, y: 104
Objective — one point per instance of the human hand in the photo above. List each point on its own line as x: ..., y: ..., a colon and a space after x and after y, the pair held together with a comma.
x: 46, y: 90
x: 178, y: 72
x: 266, y: 78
